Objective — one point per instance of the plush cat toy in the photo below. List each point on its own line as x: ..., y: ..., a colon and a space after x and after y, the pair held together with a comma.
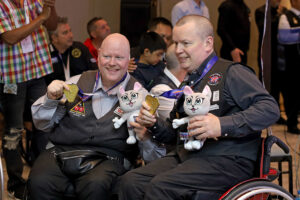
x: 194, y: 104
x: 130, y: 102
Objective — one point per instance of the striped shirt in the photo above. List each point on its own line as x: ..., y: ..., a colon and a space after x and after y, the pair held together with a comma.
x: 16, y: 66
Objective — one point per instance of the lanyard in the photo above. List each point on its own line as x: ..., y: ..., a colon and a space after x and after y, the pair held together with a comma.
x: 66, y: 68
x: 26, y: 9
x: 176, y: 93
x: 85, y: 96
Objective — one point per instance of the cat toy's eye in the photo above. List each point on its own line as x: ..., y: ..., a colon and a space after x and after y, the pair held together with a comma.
x: 134, y: 95
x: 124, y: 98
x: 199, y: 101
x: 188, y: 101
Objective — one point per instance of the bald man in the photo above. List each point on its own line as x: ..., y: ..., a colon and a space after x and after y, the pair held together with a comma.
x: 85, y: 124
x: 240, y: 109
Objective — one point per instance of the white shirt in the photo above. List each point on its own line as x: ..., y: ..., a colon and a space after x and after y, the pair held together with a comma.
x: 286, y: 33
x: 165, y: 104
x: 188, y: 7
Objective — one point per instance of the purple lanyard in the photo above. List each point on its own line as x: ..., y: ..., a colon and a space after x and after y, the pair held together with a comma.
x: 84, y: 97
x: 176, y: 93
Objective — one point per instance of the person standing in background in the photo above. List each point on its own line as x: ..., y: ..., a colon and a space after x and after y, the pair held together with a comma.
x: 277, y: 69
x: 289, y: 36
x: 189, y: 7
x: 234, y: 30
x: 98, y: 29
x: 24, y: 61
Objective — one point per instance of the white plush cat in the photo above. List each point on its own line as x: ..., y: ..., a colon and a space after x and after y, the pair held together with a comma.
x: 194, y: 104
x: 130, y: 102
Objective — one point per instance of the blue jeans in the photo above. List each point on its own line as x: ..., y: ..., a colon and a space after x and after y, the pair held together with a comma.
x: 13, y: 110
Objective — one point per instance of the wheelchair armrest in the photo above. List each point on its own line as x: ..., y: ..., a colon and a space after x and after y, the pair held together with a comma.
x: 268, y: 143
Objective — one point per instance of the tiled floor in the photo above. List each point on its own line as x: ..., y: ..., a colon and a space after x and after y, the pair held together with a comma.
x: 278, y: 130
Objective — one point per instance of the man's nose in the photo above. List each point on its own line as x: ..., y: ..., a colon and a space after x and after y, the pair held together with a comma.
x: 178, y: 48
x: 112, y: 61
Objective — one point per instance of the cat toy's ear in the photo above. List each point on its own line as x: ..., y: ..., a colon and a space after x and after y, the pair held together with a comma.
x: 206, y: 91
x: 121, y: 90
x: 187, y: 90
x: 137, y: 86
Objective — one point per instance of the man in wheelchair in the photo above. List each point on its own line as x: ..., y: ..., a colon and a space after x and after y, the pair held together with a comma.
x: 240, y: 109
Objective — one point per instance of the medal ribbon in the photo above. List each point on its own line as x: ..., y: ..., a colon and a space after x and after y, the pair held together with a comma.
x: 176, y: 93
x: 66, y: 68
x: 85, y: 96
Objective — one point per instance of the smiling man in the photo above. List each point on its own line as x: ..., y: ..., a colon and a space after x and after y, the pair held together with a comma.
x: 69, y: 57
x: 240, y: 109
x: 85, y: 124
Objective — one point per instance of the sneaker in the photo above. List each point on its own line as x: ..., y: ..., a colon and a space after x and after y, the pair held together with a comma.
x: 17, y: 192
x: 11, y: 196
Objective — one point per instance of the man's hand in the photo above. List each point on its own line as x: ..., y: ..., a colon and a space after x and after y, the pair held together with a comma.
x: 48, y: 4
x: 207, y: 126
x: 145, y: 118
x: 140, y: 131
x: 236, y: 55
x: 132, y: 65
x: 56, y: 89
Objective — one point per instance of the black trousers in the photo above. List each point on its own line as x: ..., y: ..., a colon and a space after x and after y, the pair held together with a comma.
x: 166, y: 178
x: 13, y: 109
x: 46, y: 180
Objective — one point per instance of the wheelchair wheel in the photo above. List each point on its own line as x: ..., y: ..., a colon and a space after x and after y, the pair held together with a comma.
x: 259, y: 190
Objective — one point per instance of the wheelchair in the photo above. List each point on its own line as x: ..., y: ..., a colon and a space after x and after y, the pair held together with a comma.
x: 261, y: 187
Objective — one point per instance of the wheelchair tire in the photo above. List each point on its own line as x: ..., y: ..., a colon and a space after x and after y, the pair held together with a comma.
x: 257, y: 190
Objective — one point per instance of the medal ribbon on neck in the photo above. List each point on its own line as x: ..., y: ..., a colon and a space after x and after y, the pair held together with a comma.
x: 85, y: 96
x: 176, y: 93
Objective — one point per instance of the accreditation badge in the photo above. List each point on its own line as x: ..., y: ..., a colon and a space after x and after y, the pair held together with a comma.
x: 10, y: 89
x: 27, y: 44
x: 118, y: 111
x: 76, y: 53
x: 78, y: 109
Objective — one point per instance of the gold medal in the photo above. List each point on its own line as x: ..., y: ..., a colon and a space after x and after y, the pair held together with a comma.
x: 76, y: 53
x: 295, y: 20
x: 72, y: 93
x: 153, y: 103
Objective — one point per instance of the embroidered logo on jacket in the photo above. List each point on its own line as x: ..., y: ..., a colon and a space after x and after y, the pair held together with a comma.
x: 214, y: 79
x: 78, y: 109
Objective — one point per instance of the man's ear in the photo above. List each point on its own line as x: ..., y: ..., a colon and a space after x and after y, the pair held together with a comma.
x: 99, y: 53
x: 209, y: 43
x: 93, y: 34
x: 146, y: 52
x: 53, y: 37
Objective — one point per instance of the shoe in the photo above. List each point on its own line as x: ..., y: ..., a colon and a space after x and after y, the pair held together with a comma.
x: 293, y: 129
x: 17, y: 192
x: 11, y: 196
x: 281, y: 121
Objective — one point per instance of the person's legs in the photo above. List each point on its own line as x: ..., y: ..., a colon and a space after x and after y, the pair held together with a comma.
x: 98, y: 182
x: 291, y: 102
x: 46, y: 180
x: 37, y: 139
x: 13, y: 108
x: 132, y: 185
x: 212, y: 175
